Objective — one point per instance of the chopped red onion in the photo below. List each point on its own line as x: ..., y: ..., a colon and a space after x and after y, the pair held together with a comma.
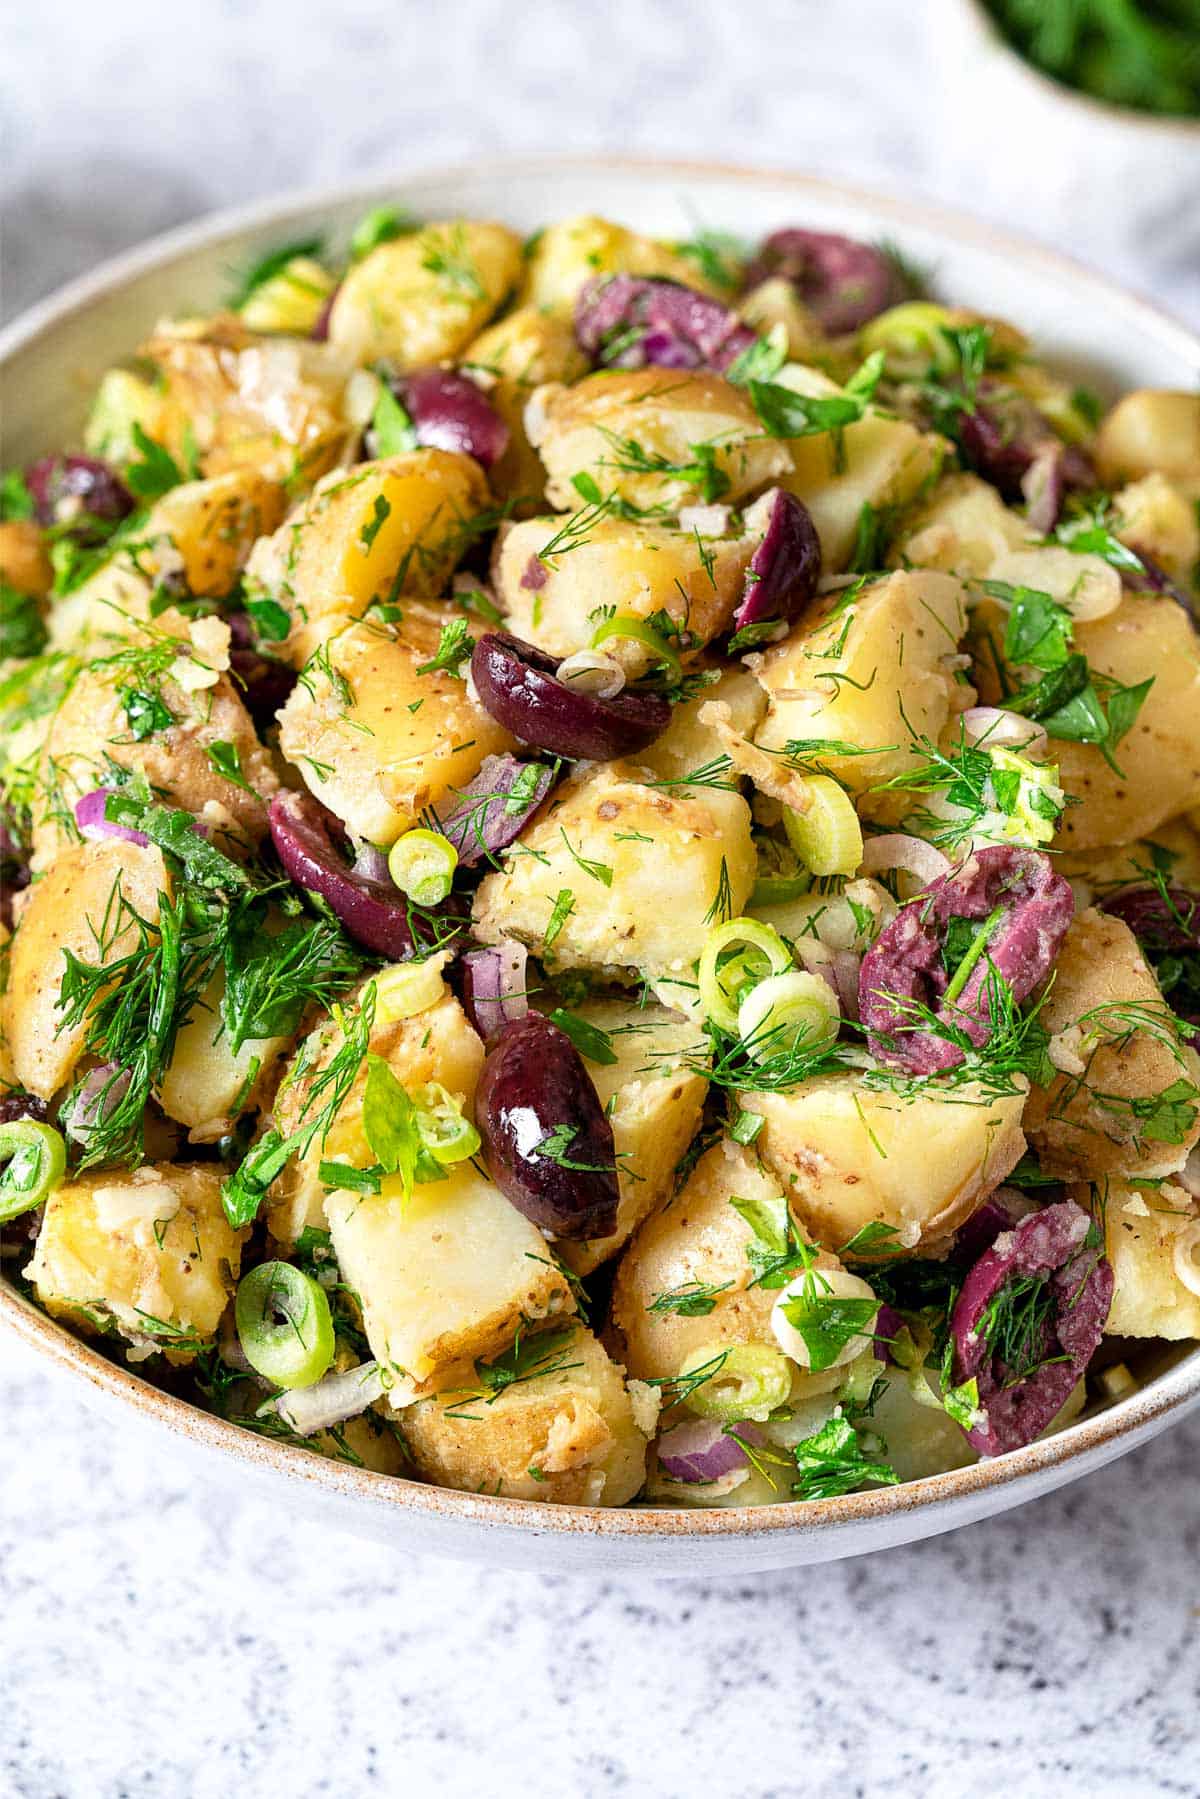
x: 995, y: 728
x: 496, y: 806
x: 535, y: 576
x: 496, y: 985
x: 331, y: 1400
x: 704, y: 1451
x: 846, y: 966
x: 898, y: 850
x: 95, y: 1101
x: 89, y: 816
x: 372, y: 863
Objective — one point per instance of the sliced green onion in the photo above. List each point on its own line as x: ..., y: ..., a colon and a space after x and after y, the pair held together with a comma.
x: 422, y: 864
x: 625, y: 624
x: 752, y: 1381
x: 35, y: 1159
x: 916, y: 328
x: 284, y: 1325
x: 779, y: 890
x: 444, y: 1132
x: 760, y: 951
x: 787, y: 1012
x: 828, y: 837
x: 409, y: 988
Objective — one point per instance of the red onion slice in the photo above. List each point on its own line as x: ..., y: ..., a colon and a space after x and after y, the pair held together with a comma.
x: 496, y: 986
x: 703, y: 1451
x: 95, y: 1101
x: 786, y: 566
x: 332, y: 1399
x: 898, y: 850
x: 496, y: 806
x: 994, y: 728
x: 89, y: 816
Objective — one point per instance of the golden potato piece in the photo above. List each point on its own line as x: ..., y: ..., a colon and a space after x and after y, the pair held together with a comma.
x: 665, y: 864
x: 1148, y: 1234
x: 422, y: 298
x: 687, y: 744
x: 1111, y: 1110
x: 378, y: 741
x: 655, y: 437
x: 525, y: 350
x: 24, y: 563
x: 962, y: 529
x: 573, y: 251
x: 849, y: 1156
x: 386, y: 529
x: 89, y: 903
x: 1151, y: 431
x: 569, y: 1435
x: 1103, y: 870
x: 148, y: 1252
x: 206, y: 1085
x: 653, y: 1096
x: 1158, y: 520
x: 213, y: 525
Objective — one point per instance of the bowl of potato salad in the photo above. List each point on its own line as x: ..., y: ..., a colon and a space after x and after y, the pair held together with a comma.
x: 601, y: 862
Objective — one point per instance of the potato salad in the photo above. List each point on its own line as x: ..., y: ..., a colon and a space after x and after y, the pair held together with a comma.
x: 601, y: 856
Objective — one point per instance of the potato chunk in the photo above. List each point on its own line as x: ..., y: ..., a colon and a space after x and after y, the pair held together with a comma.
x: 655, y: 437
x: 213, y: 525
x: 687, y: 744
x: 445, y: 1277
x: 1151, y: 431
x: 525, y: 350
x: 385, y: 529
x: 1146, y: 1234
x: 24, y: 563
x: 436, y: 1044
x: 206, y: 1086
x: 150, y: 1253
x: 572, y: 251
x: 378, y: 741
x: 621, y: 565
x: 653, y: 1095
x: 849, y: 1157
x: 88, y: 903
x: 422, y: 298
x: 570, y: 1435
x: 1158, y: 520
x: 1128, y: 1099
x: 852, y: 662
x: 666, y: 864
x: 961, y: 529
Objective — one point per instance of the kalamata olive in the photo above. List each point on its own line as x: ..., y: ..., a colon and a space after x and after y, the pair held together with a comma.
x: 1003, y: 437
x: 1167, y: 926
x: 1033, y: 905
x: 80, y: 492
x: 495, y: 807
x: 309, y: 842
x: 449, y: 411
x: 14, y: 868
x: 632, y: 322
x: 263, y: 682
x: 1027, y: 1322
x: 517, y: 683
x: 786, y: 566
x: 548, y: 1145
x: 842, y: 282
x: 14, y: 1106
x: 1000, y: 1211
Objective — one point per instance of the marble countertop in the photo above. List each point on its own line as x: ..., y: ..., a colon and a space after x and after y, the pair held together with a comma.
x: 158, y: 1645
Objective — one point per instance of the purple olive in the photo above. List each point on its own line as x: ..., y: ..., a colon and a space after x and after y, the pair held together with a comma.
x: 79, y: 492
x: 263, y: 681
x: 1165, y: 924
x: 1027, y: 1322
x: 842, y: 282
x: 518, y: 685
x: 786, y: 566
x: 309, y: 842
x: 548, y: 1145
x: 1000, y: 1211
x: 496, y: 806
x: 451, y: 412
x: 905, y: 964
x: 1005, y: 438
x: 632, y: 322
x: 14, y: 869
x: 14, y: 1106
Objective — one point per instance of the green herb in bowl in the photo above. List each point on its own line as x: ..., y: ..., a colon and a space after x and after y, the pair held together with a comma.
x: 1142, y: 56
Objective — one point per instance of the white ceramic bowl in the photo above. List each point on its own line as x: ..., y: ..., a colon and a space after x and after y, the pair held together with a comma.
x: 50, y: 360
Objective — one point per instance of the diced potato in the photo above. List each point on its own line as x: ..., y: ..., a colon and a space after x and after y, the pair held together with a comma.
x: 686, y: 744
x: 655, y: 437
x: 437, y: 1044
x: 205, y: 1085
x: 149, y: 1252
x: 24, y: 563
x: 667, y: 864
x: 568, y: 253
x: 1100, y: 871
x: 525, y: 350
x: 570, y: 1436
x: 653, y: 1096
x: 99, y: 723
x: 422, y: 298
x: 292, y: 299
x: 867, y: 668
x: 1146, y: 1234
x: 387, y: 528
x: 1151, y: 431
x: 617, y: 565
x: 378, y: 741
x: 106, y: 610
x: 849, y: 1156
x: 85, y: 903
x: 1157, y: 519
x: 962, y: 529
x: 446, y: 1276
x: 1112, y: 1037
x: 213, y: 526
x: 775, y: 303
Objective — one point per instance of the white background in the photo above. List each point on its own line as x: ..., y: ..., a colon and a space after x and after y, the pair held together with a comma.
x: 155, y: 1642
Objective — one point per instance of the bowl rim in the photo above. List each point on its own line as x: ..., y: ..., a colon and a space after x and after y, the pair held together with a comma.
x: 1174, y: 1390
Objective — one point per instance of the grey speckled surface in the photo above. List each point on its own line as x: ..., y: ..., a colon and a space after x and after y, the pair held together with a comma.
x: 158, y: 1643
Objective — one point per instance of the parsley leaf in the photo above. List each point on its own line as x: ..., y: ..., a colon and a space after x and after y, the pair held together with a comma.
x: 156, y: 473
x: 454, y: 646
x: 832, y: 1461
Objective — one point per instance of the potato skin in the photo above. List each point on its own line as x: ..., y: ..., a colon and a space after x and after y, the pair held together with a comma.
x: 653, y: 1097
x: 380, y: 742
x: 71, y: 906
x: 1106, y: 1000
x: 666, y: 415
x: 570, y: 1436
x: 848, y: 665
x: 665, y: 849
x: 140, y: 1250
x: 572, y: 251
x: 422, y: 298
x: 1151, y: 430
x: 213, y: 526
x: 388, y: 528
x: 848, y: 1157
x: 524, y: 350
x: 1141, y: 1230
x: 622, y: 564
